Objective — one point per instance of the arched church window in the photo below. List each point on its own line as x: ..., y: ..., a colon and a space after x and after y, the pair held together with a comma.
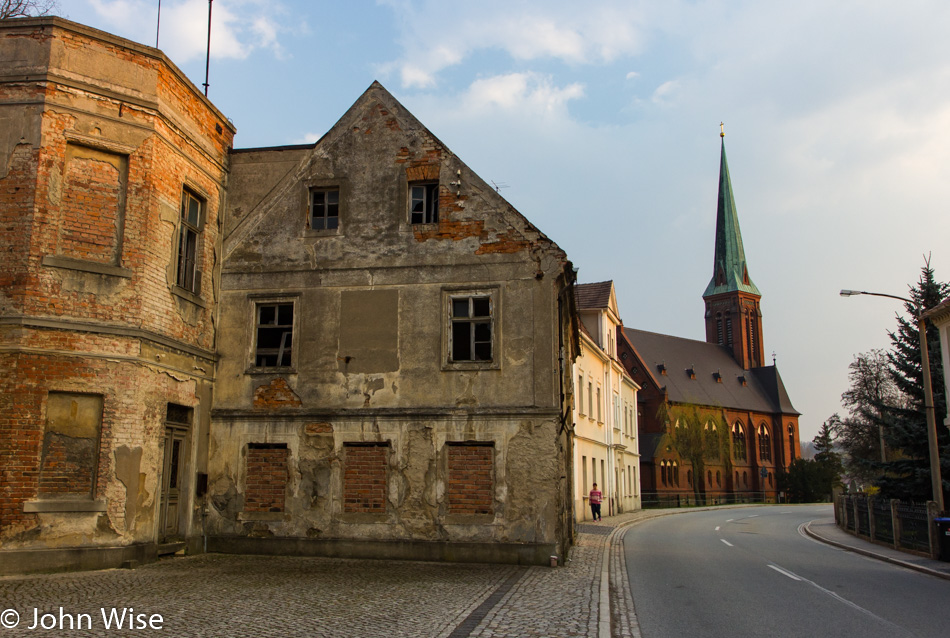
x: 728, y: 331
x: 765, y: 443
x: 718, y: 478
x: 676, y: 473
x: 738, y: 442
x: 719, y: 329
x: 791, y: 441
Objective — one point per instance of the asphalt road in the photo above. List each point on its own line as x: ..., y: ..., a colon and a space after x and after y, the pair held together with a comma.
x: 751, y: 572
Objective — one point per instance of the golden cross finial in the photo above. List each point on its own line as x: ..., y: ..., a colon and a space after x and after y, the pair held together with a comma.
x: 722, y: 131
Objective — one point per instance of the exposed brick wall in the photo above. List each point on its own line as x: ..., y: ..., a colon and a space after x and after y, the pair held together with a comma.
x: 266, y: 478
x: 90, y: 209
x: 470, y: 479
x: 364, y: 479
x: 67, y: 466
x: 276, y: 394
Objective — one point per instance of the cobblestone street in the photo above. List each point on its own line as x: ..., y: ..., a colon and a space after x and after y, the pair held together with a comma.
x: 228, y: 595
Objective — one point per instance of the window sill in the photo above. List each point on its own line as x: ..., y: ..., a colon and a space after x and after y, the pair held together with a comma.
x: 471, y: 365
x: 82, y: 265
x: 63, y: 505
x: 333, y: 232
x: 187, y: 295
x: 277, y: 371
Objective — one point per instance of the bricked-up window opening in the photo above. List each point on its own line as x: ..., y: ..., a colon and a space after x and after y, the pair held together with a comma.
x: 471, y: 328
x: 324, y: 209
x: 275, y: 331
x: 70, y: 453
x: 365, y: 477
x: 189, y: 277
x: 470, y: 486
x: 424, y: 203
x: 738, y: 442
x: 266, y: 487
x: 765, y: 444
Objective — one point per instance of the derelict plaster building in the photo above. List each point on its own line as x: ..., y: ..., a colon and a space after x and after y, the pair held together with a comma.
x: 354, y: 347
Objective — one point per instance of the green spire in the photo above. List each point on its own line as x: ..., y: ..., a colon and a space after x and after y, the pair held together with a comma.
x: 730, y: 272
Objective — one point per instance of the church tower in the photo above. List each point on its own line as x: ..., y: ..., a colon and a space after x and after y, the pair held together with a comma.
x: 733, y: 317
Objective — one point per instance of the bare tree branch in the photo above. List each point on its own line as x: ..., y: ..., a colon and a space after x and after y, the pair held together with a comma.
x: 26, y: 8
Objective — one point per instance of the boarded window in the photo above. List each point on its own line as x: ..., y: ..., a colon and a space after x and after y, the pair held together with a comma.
x: 364, y: 478
x: 70, y: 445
x: 266, y: 487
x: 93, y: 203
x: 470, y: 486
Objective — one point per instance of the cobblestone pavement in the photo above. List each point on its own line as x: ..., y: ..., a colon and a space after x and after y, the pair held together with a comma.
x: 262, y: 596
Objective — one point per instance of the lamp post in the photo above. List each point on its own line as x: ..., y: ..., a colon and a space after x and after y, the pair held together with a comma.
x: 935, y: 479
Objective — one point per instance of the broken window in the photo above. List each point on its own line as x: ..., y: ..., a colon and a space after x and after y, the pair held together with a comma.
x: 471, y: 334
x: 189, y: 232
x: 275, y: 328
x: 424, y: 203
x: 325, y: 209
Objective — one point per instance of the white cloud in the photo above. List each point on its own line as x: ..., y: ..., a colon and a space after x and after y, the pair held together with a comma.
x: 632, y: 75
x: 521, y: 93
x: 438, y: 35
x: 665, y: 92
x: 238, y: 28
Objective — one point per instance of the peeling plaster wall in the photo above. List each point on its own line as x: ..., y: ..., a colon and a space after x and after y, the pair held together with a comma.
x: 371, y: 358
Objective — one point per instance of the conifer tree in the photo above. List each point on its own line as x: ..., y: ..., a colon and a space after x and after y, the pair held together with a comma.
x: 906, y: 475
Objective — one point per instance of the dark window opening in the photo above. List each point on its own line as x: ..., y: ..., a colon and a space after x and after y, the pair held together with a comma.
x: 424, y: 203
x: 275, y: 327
x: 325, y: 209
x: 471, y: 328
x: 188, y: 276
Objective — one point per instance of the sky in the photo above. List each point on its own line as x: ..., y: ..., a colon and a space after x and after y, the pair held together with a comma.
x: 600, y: 123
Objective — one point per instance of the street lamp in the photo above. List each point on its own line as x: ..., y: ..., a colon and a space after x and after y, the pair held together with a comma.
x: 935, y: 479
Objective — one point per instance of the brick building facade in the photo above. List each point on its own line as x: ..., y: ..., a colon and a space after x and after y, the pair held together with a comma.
x: 723, y: 376
x: 106, y: 331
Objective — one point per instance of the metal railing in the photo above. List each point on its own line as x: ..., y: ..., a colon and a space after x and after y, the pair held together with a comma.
x: 908, y: 527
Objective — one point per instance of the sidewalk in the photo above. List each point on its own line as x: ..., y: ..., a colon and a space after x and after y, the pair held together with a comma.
x: 826, y: 531
x: 287, y: 596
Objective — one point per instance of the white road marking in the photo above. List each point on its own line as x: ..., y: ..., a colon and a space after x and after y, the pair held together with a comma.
x: 717, y: 528
x: 730, y: 520
x: 727, y: 542
x: 793, y: 576
x: 784, y: 572
x: 752, y: 516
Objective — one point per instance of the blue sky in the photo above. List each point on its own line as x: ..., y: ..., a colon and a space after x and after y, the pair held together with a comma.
x: 602, y: 119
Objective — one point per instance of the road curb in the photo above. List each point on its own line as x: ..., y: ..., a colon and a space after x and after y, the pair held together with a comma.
x: 871, y: 554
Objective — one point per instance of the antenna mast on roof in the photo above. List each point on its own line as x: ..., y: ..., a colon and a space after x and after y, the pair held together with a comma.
x: 498, y: 185
x: 158, y: 22
x: 208, y: 56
